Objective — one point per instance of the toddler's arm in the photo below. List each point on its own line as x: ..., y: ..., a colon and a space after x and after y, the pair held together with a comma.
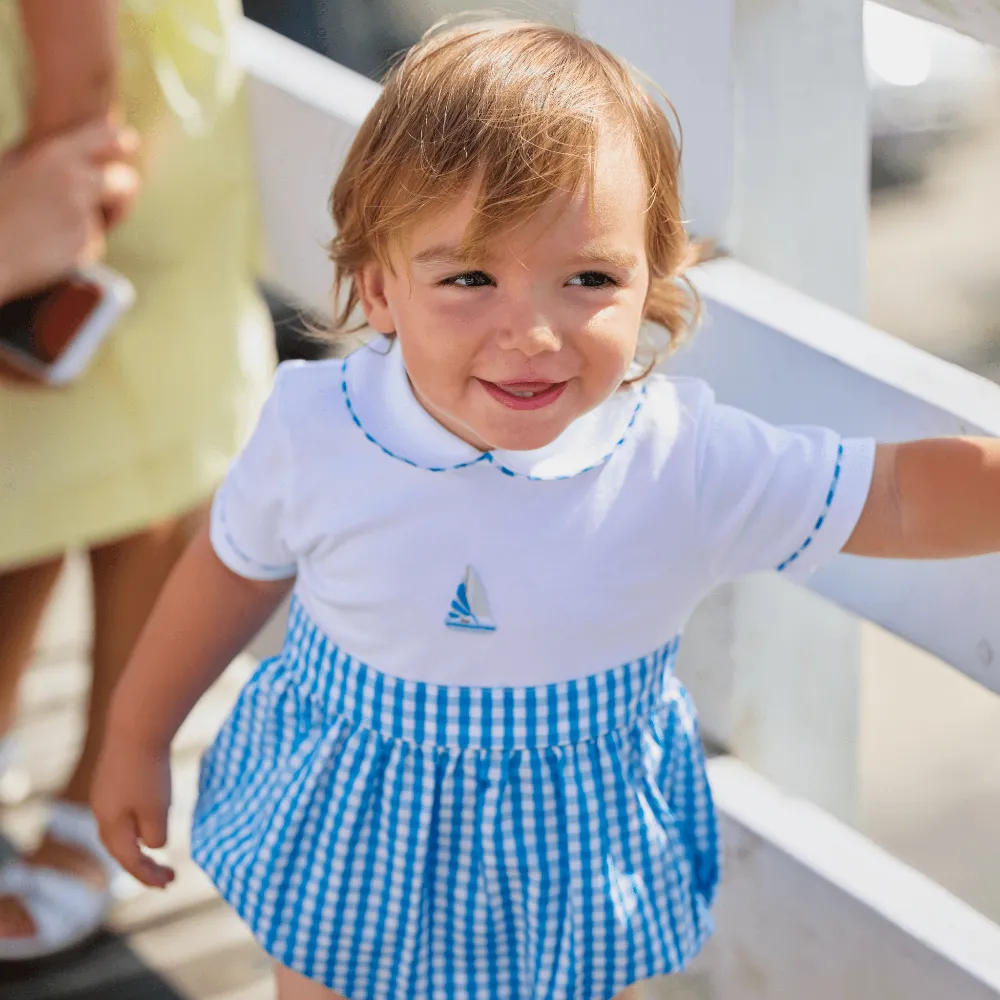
x: 932, y: 499
x: 74, y: 57
x: 205, y: 616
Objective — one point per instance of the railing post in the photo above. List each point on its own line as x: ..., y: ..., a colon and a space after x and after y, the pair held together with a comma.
x: 772, y: 101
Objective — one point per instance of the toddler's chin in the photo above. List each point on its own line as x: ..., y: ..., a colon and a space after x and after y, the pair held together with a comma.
x: 522, y: 438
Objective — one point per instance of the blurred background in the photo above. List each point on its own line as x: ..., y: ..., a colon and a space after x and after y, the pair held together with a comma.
x: 930, y: 739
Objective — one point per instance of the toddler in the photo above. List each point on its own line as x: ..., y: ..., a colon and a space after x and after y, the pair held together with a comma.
x: 471, y: 772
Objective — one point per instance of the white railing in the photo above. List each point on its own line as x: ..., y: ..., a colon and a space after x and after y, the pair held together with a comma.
x: 808, y: 909
x: 792, y: 359
x: 978, y: 18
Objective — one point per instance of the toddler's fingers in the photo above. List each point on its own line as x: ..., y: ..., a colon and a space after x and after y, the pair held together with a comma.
x: 154, y: 874
x: 122, y: 840
x: 153, y: 827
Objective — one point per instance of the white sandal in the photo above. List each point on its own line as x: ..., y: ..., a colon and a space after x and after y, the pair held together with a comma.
x: 15, y: 786
x: 65, y: 909
x: 7, y: 747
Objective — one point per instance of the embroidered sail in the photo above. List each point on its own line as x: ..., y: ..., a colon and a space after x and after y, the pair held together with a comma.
x: 470, y: 608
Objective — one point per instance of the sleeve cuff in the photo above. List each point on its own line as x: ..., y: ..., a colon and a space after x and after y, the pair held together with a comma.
x: 849, y: 488
x: 234, y: 556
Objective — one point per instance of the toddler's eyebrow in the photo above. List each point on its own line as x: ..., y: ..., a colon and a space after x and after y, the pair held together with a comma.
x: 590, y: 253
x: 441, y: 253
x: 599, y: 253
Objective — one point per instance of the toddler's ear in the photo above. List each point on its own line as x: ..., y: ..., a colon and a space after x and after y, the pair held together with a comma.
x: 370, y: 282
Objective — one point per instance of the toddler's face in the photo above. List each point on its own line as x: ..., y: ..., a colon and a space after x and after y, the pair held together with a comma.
x: 507, y: 351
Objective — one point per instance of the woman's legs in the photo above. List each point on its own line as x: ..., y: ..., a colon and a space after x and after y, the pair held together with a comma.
x: 127, y: 576
x: 24, y: 595
x: 292, y: 986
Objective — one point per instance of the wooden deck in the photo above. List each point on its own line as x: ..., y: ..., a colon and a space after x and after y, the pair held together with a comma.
x: 182, y: 944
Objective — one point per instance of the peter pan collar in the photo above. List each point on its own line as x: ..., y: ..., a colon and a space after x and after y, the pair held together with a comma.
x: 378, y: 396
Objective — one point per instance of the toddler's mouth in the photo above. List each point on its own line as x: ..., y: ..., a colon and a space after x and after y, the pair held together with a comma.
x: 524, y: 395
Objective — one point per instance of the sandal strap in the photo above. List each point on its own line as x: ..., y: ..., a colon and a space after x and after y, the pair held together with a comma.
x: 15, y: 782
x: 8, y: 751
x: 64, y: 910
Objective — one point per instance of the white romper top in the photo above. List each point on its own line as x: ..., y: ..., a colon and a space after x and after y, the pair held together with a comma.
x: 581, y: 555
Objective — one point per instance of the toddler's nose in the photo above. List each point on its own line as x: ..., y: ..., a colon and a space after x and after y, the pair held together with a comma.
x: 531, y: 333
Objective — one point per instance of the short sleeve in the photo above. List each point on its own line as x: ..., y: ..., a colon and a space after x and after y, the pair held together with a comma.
x: 776, y: 498
x: 250, y: 511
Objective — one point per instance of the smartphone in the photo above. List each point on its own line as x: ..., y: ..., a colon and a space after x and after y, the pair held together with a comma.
x: 53, y: 335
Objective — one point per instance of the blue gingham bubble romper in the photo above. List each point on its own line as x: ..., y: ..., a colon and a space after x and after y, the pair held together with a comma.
x: 394, y: 838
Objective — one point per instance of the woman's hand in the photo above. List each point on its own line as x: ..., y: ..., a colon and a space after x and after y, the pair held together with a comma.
x: 55, y: 199
x: 124, y: 178
x: 131, y: 800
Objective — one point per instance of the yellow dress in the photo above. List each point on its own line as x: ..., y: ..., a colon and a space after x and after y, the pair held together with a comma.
x: 150, y: 429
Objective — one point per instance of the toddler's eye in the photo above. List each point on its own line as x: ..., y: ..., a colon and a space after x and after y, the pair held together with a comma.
x: 593, y: 279
x: 471, y: 279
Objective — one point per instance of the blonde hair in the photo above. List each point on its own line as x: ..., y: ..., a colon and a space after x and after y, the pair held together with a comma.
x: 516, y: 107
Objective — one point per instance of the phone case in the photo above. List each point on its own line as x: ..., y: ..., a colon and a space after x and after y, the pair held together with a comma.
x: 60, y: 312
x: 119, y: 294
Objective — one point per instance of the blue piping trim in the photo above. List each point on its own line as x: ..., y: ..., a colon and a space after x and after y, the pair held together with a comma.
x: 831, y: 493
x: 486, y: 456
x: 285, y: 570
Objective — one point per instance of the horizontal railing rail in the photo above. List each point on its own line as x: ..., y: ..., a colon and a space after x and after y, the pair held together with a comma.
x: 978, y: 18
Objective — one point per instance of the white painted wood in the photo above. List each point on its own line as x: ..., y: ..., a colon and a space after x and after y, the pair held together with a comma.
x: 769, y: 663
x: 664, y: 39
x: 978, y: 18
x: 810, y: 909
x: 305, y: 111
x: 793, y: 360
x: 772, y: 100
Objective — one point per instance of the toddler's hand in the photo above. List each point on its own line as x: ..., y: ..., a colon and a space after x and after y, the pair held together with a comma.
x: 131, y: 799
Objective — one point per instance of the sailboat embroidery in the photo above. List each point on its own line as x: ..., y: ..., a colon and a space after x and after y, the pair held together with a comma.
x: 470, y: 610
